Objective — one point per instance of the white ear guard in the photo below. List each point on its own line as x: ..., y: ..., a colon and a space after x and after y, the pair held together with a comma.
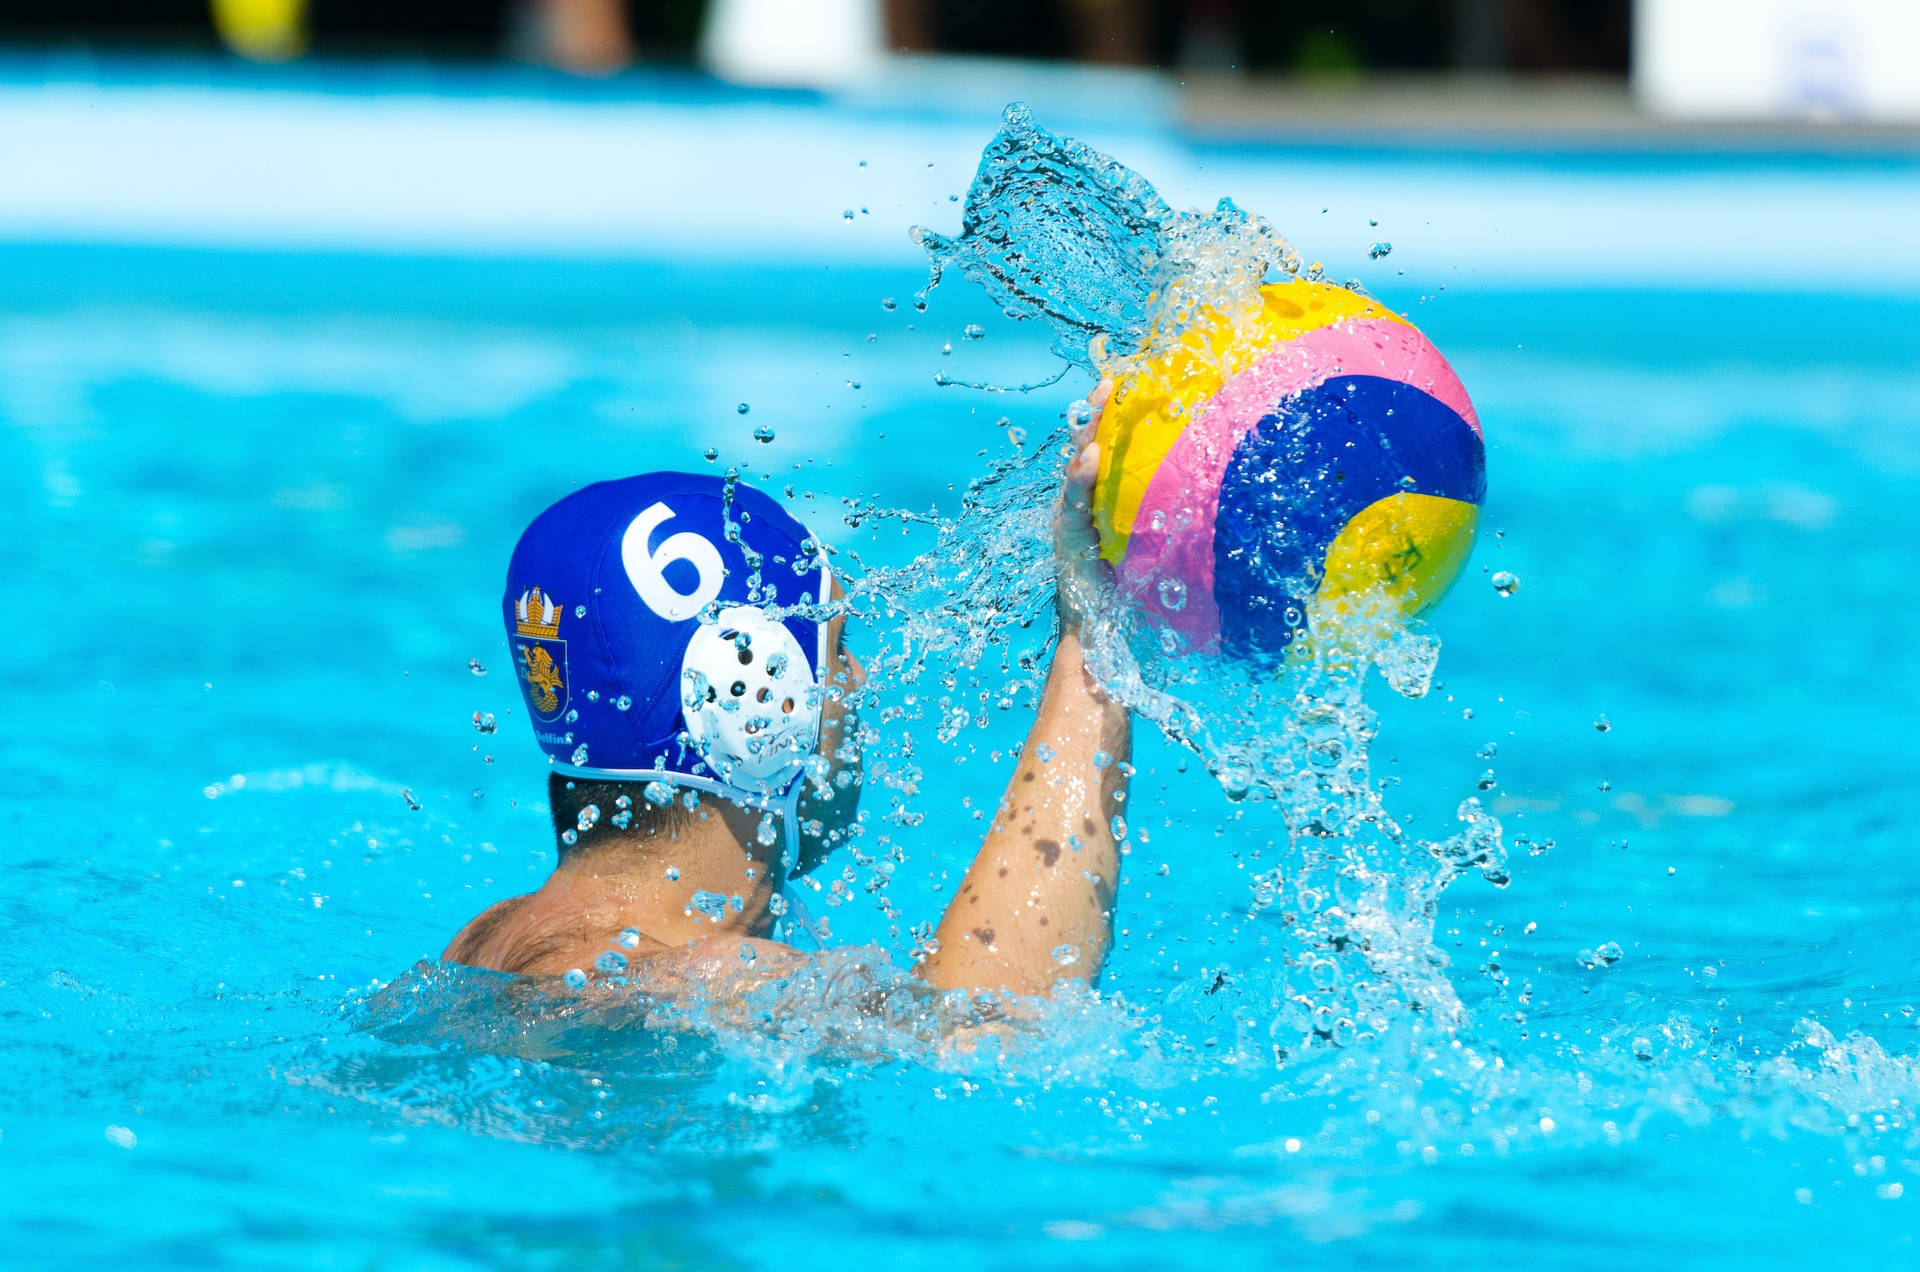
x: 750, y: 699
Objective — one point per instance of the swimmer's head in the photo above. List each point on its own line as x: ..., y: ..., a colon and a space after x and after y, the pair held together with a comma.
x: 648, y: 619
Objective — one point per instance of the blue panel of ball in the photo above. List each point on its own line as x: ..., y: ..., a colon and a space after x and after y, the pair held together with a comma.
x: 1303, y: 472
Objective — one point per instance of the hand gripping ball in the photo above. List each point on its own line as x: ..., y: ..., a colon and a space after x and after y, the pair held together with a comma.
x: 1321, y: 457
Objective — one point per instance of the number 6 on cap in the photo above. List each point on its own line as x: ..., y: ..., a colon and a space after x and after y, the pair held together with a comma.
x: 647, y: 570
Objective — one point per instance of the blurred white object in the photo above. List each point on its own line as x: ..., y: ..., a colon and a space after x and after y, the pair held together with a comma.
x: 793, y: 43
x: 1843, y: 60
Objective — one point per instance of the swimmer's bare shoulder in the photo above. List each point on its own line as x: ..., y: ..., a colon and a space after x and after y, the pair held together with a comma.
x: 533, y: 935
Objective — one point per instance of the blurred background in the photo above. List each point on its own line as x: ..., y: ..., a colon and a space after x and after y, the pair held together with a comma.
x: 601, y: 35
x: 1779, y: 60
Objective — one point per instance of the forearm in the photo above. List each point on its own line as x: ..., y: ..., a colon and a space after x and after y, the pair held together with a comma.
x: 1045, y: 878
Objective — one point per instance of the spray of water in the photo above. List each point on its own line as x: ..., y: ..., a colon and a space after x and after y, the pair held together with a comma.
x: 1059, y: 233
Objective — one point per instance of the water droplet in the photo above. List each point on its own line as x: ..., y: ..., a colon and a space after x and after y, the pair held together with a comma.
x: 1487, y: 780
x: 483, y: 722
x: 580, y: 754
x: 1066, y: 955
x: 673, y: 874
x: 1603, y: 955
x: 889, y: 304
x: 1044, y: 753
x: 1118, y: 826
x: 588, y: 817
x: 575, y: 978
x: 573, y: 717
x: 1505, y: 583
x: 711, y: 904
x: 623, y: 703
x: 711, y: 453
x: 629, y: 939
x: 579, y: 611
x: 743, y: 408
x: 974, y: 331
x: 1602, y: 725
x: 1173, y: 595
x: 747, y: 953
x: 1605, y: 785
x: 1101, y: 759
x: 848, y: 214
x: 611, y: 962
x: 473, y: 665
x: 1379, y: 250
x: 569, y: 836
x: 767, y: 833
x: 763, y: 434
x: 1018, y: 436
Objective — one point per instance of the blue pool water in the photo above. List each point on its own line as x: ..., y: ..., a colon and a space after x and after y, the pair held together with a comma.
x: 258, y: 506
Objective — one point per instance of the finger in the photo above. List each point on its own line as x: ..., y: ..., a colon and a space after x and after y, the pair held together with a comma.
x: 1083, y: 469
x: 1082, y: 433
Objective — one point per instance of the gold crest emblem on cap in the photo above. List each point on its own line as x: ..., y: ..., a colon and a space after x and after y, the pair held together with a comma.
x: 543, y: 655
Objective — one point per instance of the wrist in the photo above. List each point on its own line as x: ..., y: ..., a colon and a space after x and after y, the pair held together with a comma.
x: 1071, y: 676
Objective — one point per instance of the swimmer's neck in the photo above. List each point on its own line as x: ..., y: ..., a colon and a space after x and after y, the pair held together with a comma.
x: 659, y: 875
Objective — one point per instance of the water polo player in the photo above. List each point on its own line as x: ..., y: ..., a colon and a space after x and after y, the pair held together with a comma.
x: 701, y: 734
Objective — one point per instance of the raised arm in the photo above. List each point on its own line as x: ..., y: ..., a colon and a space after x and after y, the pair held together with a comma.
x: 1036, y: 906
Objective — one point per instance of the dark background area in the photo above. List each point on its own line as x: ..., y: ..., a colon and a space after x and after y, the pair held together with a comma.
x: 1323, y: 37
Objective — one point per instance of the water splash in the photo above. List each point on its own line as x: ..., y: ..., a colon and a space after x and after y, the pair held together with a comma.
x: 1056, y: 231
x: 1060, y: 233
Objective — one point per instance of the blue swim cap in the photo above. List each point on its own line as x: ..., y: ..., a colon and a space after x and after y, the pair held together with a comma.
x: 635, y: 611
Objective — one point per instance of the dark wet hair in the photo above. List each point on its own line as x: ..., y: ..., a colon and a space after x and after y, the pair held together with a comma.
x: 569, y: 797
